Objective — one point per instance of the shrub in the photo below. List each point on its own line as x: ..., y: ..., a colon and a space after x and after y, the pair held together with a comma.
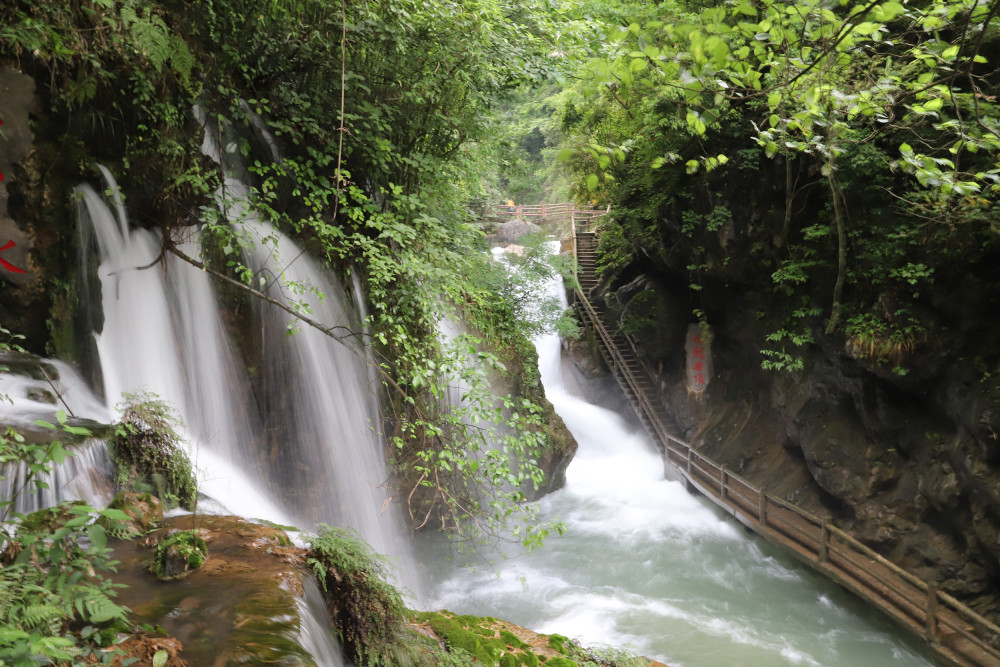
x: 148, y: 452
x: 367, y: 611
x: 178, y: 555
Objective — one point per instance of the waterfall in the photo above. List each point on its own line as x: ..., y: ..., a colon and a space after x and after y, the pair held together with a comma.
x: 162, y: 334
x: 649, y: 566
x: 30, y: 396
x: 307, y: 434
x: 318, y: 396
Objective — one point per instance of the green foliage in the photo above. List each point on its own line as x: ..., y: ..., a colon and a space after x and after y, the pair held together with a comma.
x: 367, y: 611
x: 885, y: 338
x: 148, y: 452
x: 56, y: 604
x: 791, y: 340
x: 866, y: 121
x: 143, y: 511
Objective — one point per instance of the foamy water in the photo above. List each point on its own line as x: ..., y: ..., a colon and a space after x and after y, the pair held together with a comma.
x: 648, y: 566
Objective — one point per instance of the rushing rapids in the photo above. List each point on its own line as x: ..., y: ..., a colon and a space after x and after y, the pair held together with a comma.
x: 647, y: 565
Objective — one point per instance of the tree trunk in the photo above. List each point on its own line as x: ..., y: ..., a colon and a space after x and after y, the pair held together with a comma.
x: 838, y: 217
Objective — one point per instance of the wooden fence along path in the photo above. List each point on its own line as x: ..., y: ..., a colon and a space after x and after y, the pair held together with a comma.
x: 959, y: 635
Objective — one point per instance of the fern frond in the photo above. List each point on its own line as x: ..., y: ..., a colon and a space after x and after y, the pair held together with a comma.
x: 101, y: 609
x: 43, y: 616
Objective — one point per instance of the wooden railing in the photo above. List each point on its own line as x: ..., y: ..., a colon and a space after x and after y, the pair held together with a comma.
x: 540, y: 212
x: 954, y: 631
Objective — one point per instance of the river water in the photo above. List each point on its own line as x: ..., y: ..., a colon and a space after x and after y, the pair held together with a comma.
x: 648, y: 566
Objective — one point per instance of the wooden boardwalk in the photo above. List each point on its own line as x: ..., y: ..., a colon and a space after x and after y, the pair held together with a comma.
x: 957, y: 634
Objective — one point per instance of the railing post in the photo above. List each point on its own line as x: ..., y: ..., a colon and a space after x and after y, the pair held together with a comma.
x: 932, y: 607
x: 723, y: 484
x: 543, y: 211
x: 576, y: 256
x: 762, y: 506
x: 689, y: 461
x: 824, y: 539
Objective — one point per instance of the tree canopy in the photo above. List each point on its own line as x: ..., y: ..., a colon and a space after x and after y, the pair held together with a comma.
x: 873, y: 125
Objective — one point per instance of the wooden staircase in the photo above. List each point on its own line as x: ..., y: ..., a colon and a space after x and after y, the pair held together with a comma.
x: 618, y: 349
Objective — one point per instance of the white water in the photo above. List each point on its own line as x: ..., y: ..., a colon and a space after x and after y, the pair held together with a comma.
x: 28, y: 396
x: 317, y: 395
x: 648, y: 566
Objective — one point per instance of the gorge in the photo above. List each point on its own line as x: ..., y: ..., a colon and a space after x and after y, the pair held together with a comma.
x: 264, y: 213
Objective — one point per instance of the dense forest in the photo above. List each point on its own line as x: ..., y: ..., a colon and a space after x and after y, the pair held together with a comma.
x: 816, y: 183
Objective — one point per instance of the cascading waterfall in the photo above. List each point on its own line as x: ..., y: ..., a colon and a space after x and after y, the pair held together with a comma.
x: 313, y: 413
x: 647, y: 565
x: 162, y: 334
x: 318, y: 395
x: 312, y: 421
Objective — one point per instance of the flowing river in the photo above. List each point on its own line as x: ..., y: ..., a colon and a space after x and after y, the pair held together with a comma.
x: 649, y: 566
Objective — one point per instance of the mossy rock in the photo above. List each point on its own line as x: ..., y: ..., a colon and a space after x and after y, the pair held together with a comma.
x: 179, y: 555
x: 487, y: 640
x: 558, y: 643
x: 51, y: 519
x: 561, y: 662
x: 144, y: 510
x: 512, y: 640
x: 484, y: 640
x: 466, y: 634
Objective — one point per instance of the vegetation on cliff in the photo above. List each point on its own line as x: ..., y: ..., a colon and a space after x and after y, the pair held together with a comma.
x: 842, y: 158
x: 366, y: 130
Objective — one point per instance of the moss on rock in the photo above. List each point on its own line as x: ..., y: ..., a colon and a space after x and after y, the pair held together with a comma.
x: 179, y: 555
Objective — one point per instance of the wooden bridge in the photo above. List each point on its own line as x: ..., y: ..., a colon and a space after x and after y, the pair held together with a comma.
x: 573, y: 213
x: 956, y: 633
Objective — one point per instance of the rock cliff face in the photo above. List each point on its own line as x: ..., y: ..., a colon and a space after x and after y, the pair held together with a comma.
x: 908, y: 463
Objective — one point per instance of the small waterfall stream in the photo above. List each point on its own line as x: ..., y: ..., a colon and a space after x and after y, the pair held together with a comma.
x: 647, y: 565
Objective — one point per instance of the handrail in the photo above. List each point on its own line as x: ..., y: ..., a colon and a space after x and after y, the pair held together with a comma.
x: 548, y: 211
x: 921, y: 607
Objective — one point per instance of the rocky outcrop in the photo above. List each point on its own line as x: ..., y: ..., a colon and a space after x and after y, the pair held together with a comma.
x: 491, y: 641
x: 20, y: 274
x: 239, y: 607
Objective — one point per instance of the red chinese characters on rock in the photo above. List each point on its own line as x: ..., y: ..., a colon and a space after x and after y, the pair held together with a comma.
x: 698, y: 353
x: 7, y: 265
